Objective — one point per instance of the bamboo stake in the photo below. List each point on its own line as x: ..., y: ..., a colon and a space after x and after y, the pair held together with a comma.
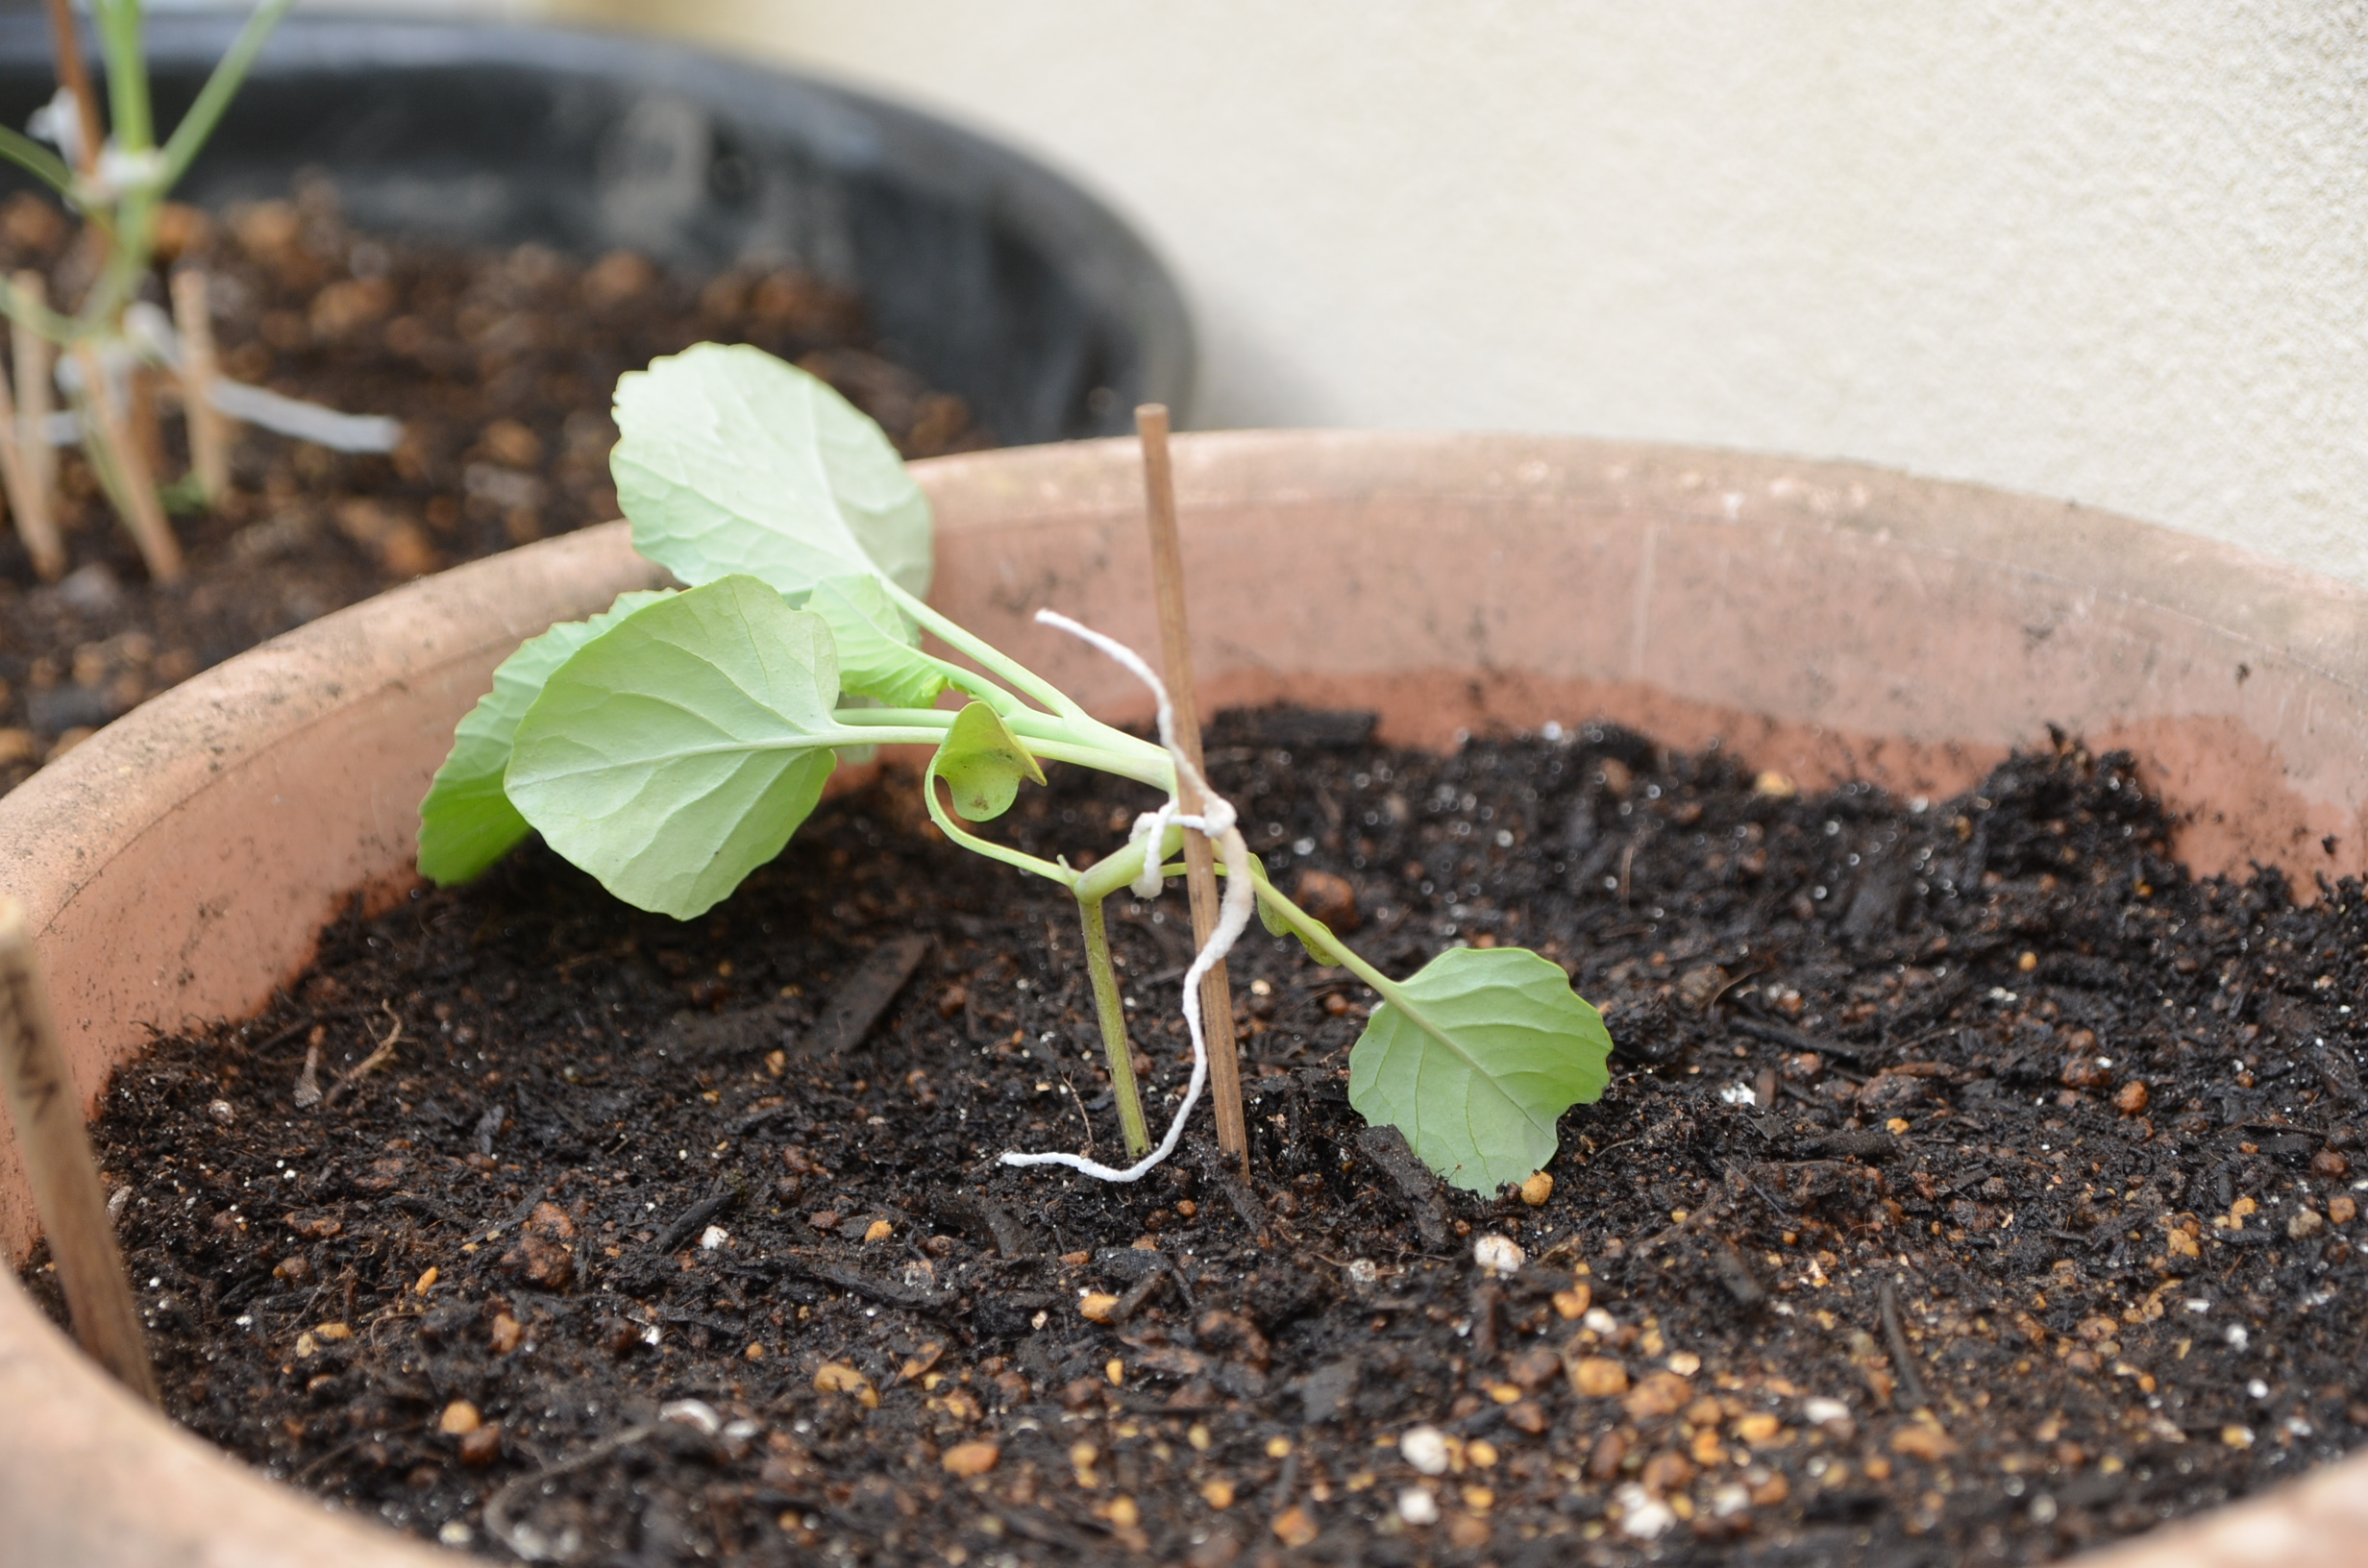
x: 139, y: 417
x: 143, y: 512
x: 57, y: 1153
x: 16, y: 475
x: 1199, y: 860
x: 210, y: 430
x: 75, y: 77
x: 37, y: 514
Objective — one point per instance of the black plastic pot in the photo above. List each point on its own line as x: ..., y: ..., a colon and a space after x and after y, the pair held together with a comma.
x: 984, y: 272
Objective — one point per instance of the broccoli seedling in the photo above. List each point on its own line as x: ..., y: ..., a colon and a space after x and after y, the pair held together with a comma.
x: 674, y: 744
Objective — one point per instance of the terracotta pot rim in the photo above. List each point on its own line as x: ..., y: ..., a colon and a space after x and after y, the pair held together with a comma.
x: 2114, y: 554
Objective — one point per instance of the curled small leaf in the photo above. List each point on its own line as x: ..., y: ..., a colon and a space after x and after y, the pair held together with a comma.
x: 982, y: 764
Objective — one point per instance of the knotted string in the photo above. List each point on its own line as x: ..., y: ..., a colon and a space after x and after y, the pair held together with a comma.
x: 1216, y: 821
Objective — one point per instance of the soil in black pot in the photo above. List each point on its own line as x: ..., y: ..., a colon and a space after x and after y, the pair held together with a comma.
x: 1973, y: 1185
x: 500, y: 366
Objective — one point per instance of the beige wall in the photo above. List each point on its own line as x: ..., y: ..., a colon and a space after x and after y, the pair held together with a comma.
x: 2114, y: 251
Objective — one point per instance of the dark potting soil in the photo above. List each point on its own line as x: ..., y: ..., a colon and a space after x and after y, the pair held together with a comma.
x: 1972, y: 1185
x: 500, y: 366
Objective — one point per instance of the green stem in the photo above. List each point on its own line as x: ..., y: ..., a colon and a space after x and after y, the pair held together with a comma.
x: 851, y: 731
x: 39, y: 318
x: 1049, y: 871
x: 127, y: 263
x: 1131, y: 756
x: 1307, y: 927
x: 962, y: 678
x: 1156, y: 771
x: 1107, y: 876
x: 1093, y: 745
x: 105, y: 461
x: 936, y: 718
x: 189, y: 135
x: 1112, y: 1008
x: 966, y: 643
x: 1115, y: 870
x: 132, y: 221
x: 134, y: 131
x: 37, y: 160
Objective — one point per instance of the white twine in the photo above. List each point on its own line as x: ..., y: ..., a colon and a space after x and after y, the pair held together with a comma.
x: 149, y: 333
x: 1152, y: 826
x: 120, y: 171
x: 1216, y: 821
x: 60, y: 123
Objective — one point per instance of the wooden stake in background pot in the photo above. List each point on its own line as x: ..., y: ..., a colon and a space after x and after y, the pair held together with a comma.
x: 210, y: 428
x: 1199, y: 860
x: 134, y: 482
x: 57, y: 1152
x: 33, y: 402
x: 25, y: 476
x: 73, y: 74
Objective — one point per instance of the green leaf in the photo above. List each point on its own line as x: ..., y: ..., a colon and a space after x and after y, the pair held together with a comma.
x: 466, y: 823
x: 982, y: 763
x: 733, y: 461
x: 877, y: 643
x: 677, y: 753
x: 1474, y: 1059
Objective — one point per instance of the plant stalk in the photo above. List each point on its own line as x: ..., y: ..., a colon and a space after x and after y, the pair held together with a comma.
x: 37, y: 160
x: 1112, y: 1009
x: 1122, y: 866
x: 974, y: 647
x: 1048, y: 737
x: 127, y: 74
x: 1307, y: 927
x: 214, y: 97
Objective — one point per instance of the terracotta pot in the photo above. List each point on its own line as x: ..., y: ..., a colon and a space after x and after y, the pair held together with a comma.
x: 1825, y: 620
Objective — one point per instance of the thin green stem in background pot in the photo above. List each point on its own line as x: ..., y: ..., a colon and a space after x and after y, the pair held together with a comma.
x: 36, y: 318
x: 230, y: 74
x: 133, y: 129
x: 37, y: 160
